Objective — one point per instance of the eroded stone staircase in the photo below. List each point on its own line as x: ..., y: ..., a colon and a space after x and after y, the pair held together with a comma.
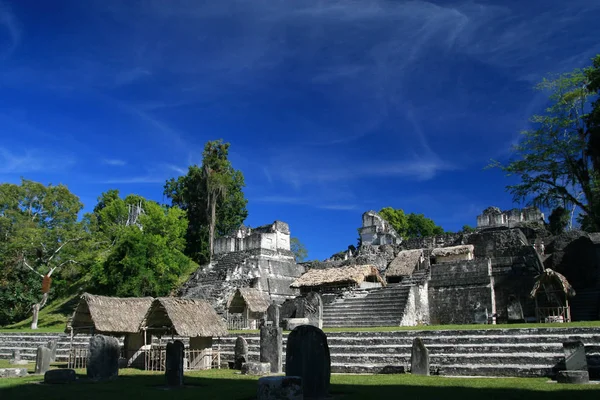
x: 493, y: 352
x: 372, y: 307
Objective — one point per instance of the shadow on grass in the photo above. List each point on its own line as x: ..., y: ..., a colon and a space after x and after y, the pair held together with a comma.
x: 226, y: 385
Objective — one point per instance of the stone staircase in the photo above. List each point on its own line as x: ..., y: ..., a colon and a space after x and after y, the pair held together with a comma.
x: 29, y: 342
x: 494, y: 352
x: 372, y: 307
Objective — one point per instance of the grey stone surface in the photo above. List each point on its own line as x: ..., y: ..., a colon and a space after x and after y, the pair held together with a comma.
x: 279, y: 388
x: 42, y: 360
x: 312, y: 308
x: 573, y: 377
x: 103, y: 358
x: 271, y: 348
x: 52, y: 346
x: 307, y: 356
x: 61, y: 375
x: 240, y: 353
x: 273, y: 314
x: 254, y: 368
x: 174, y: 363
x: 419, y: 358
x: 575, y: 358
x: 13, y: 372
x: 292, y: 323
x: 514, y: 310
x: 16, y: 358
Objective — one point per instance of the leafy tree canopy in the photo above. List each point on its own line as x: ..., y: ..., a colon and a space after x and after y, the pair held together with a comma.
x: 141, y: 251
x: 214, y: 182
x: 410, y: 225
x: 299, y: 250
x: 39, y: 234
x: 558, y: 161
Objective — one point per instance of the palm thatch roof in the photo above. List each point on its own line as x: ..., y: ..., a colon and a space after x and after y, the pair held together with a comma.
x: 255, y: 300
x: 554, y: 280
x: 453, y: 250
x: 405, y: 263
x: 111, y: 315
x: 184, y: 317
x: 340, y: 275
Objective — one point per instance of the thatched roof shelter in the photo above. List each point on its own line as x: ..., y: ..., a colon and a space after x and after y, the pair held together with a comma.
x: 405, y: 263
x: 355, y: 274
x: 453, y: 250
x: 183, y: 317
x: 256, y: 300
x: 552, y: 279
x: 109, y: 315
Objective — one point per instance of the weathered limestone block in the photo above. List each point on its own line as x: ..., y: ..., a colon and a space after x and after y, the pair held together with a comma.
x: 103, y: 358
x: 279, y: 388
x: 419, y: 359
x: 13, y: 372
x: 271, y: 347
x: 575, y: 359
x: 42, y: 360
x: 16, y: 358
x: 307, y: 356
x: 52, y: 346
x: 240, y: 353
x: 573, y: 377
x: 174, y: 363
x: 61, y: 375
x: 252, y: 368
x: 292, y: 323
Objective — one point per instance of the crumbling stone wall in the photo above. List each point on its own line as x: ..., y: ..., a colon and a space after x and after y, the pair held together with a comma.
x: 457, y: 291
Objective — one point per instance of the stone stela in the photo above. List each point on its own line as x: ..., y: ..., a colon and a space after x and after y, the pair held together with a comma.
x: 103, y: 358
x: 271, y: 347
x: 307, y: 356
x: 174, y: 363
x: 419, y: 359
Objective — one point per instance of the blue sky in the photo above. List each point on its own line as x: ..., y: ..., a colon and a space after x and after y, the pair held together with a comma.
x: 331, y: 107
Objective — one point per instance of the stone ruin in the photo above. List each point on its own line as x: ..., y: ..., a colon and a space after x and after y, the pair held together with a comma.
x: 259, y: 258
x: 377, y: 231
x: 493, y: 217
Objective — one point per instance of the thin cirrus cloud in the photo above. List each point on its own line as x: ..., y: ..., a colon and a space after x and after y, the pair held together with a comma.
x: 29, y: 161
x: 114, y: 162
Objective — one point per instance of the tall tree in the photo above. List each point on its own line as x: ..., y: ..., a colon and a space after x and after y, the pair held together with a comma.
x: 558, y: 161
x: 299, y: 250
x: 40, y: 239
x: 143, y: 243
x: 213, y: 198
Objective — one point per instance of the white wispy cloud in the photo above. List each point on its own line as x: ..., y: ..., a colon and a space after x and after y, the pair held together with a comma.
x: 305, y: 201
x: 32, y: 160
x: 114, y: 162
x: 12, y: 31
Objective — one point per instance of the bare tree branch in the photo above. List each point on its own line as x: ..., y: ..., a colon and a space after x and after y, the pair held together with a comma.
x: 30, y: 267
x: 60, y: 248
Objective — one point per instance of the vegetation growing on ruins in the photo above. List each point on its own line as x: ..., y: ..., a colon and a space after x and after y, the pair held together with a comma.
x: 298, y: 248
x: 212, y: 196
x: 410, y: 225
x: 558, y: 161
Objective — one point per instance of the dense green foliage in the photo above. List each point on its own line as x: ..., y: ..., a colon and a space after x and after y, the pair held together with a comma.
x: 558, y: 161
x: 39, y: 233
x: 410, y: 225
x: 558, y: 220
x: 299, y: 250
x: 213, y: 198
x: 138, y: 259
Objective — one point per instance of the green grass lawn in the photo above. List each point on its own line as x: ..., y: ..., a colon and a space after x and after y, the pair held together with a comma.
x: 227, y: 384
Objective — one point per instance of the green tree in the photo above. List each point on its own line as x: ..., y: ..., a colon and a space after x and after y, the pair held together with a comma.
x: 558, y: 161
x: 212, y: 196
x: 410, y: 225
x: 39, y: 236
x: 467, y: 229
x: 558, y: 220
x: 299, y: 250
x: 142, y: 251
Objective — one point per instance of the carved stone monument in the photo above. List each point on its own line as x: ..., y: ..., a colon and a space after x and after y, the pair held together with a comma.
x: 42, y: 360
x: 311, y: 307
x: 240, y: 353
x: 174, y: 363
x: 103, y: 358
x: 280, y: 387
x: 307, y: 356
x: 271, y: 347
x: 419, y: 359
x: 273, y: 314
